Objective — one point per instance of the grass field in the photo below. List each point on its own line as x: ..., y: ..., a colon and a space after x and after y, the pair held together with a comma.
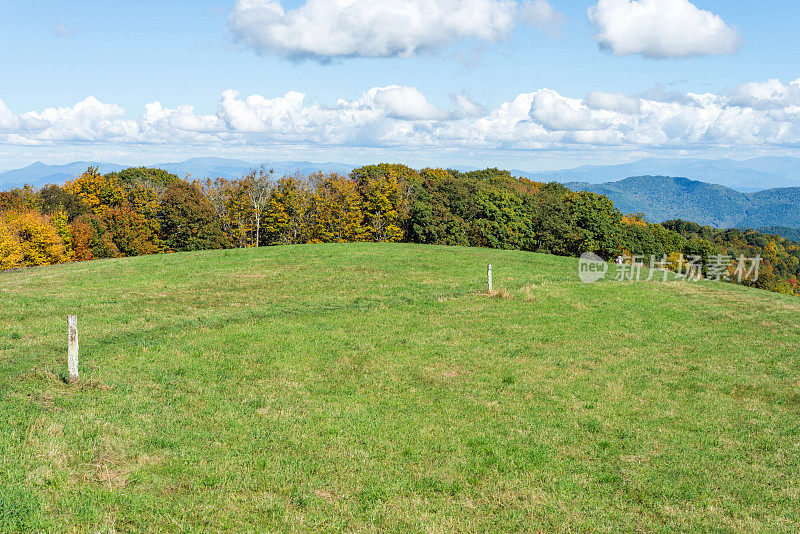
x: 375, y: 387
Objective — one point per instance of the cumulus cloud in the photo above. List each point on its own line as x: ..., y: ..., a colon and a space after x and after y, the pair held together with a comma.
x: 259, y: 114
x: 8, y: 120
x: 325, y: 29
x: 661, y: 29
x: 468, y: 107
x: 772, y: 94
x: 157, y: 117
x: 542, y: 15
x: 754, y: 115
x: 88, y: 120
x: 555, y: 112
x: 617, y: 102
x: 402, y: 103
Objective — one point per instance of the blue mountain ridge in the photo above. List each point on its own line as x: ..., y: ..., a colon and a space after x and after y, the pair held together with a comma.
x: 39, y: 174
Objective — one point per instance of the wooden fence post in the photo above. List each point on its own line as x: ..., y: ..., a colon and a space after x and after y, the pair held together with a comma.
x: 72, y: 353
x: 490, y: 277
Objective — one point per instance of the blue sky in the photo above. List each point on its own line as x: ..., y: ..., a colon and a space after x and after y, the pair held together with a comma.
x: 128, y: 54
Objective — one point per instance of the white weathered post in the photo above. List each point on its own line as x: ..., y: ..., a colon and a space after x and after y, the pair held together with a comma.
x: 490, y: 277
x: 72, y: 352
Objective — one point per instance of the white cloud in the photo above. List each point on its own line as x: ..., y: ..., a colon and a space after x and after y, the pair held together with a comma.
x: 661, y: 29
x: 402, y: 103
x: 157, y: 117
x: 88, y: 120
x: 468, y: 107
x: 540, y: 14
x: 8, y: 121
x: 772, y: 94
x: 617, y: 102
x: 325, y: 29
x: 555, y: 112
x: 753, y: 116
x: 259, y: 114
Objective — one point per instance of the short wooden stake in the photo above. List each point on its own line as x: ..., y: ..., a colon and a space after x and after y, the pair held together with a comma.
x: 72, y: 353
x: 490, y: 277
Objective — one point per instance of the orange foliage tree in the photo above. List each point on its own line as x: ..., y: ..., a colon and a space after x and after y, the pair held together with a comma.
x: 336, y: 210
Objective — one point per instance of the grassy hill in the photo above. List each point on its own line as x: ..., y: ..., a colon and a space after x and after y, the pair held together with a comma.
x: 375, y: 387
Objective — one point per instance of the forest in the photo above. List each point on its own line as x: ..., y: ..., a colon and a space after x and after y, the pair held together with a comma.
x: 142, y: 210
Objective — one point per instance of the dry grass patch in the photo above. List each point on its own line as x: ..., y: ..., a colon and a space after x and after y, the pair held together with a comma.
x: 326, y: 495
x: 528, y: 292
x: 453, y: 373
x: 40, y: 375
x: 45, y: 440
x: 500, y: 293
x: 113, y: 471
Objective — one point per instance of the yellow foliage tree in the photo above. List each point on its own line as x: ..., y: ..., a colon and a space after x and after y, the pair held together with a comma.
x: 98, y: 192
x: 286, y: 216
x: 382, y: 205
x: 10, y: 252
x: 434, y: 175
x: 60, y: 221
x: 634, y: 219
x: 336, y: 210
x: 36, y: 236
x: 230, y: 202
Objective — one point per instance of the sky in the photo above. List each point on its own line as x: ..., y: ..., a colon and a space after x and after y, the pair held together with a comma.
x: 531, y: 84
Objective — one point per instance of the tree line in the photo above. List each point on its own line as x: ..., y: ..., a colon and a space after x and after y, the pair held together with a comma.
x: 148, y: 211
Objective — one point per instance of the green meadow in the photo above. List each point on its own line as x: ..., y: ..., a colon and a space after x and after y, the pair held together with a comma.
x: 376, y: 387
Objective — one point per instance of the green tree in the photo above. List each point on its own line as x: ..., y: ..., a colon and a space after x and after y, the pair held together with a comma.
x: 188, y: 220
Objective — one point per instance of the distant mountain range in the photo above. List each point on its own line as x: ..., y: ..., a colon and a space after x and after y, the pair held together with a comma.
x: 39, y: 174
x: 747, y: 176
x: 756, y: 204
x: 792, y: 234
x: 662, y: 198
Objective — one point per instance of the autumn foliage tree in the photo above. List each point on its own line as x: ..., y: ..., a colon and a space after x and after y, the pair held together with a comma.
x: 91, y: 239
x: 145, y: 211
x: 97, y: 192
x: 230, y: 202
x: 383, y: 203
x: 336, y: 208
x: 30, y: 239
x: 10, y: 250
x: 287, y: 213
